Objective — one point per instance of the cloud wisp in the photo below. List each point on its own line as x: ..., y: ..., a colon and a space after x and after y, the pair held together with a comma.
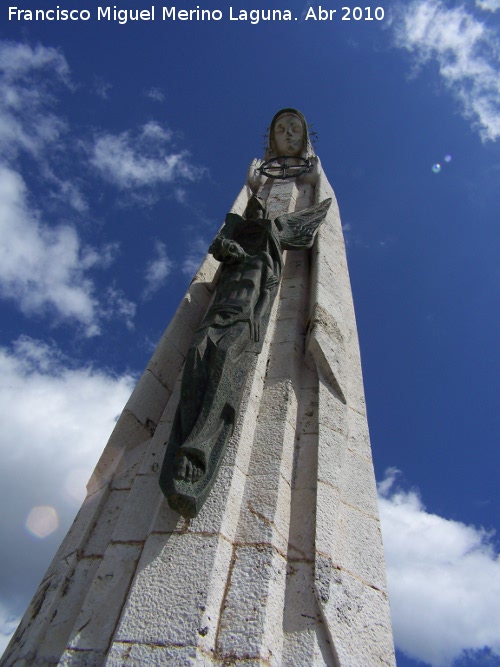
x: 466, y: 51
x: 42, y: 268
x: 488, y: 5
x: 444, y: 580
x: 142, y: 159
x: 157, y: 270
x: 28, y: 78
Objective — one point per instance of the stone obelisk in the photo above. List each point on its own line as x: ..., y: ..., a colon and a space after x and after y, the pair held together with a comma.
x: 277, y: 557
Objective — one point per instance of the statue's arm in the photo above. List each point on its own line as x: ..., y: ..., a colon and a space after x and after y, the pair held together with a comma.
x: 254, y: 178
x: 268, y: 284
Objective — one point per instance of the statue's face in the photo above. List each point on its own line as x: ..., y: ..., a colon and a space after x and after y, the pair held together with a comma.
x: 288, y: 135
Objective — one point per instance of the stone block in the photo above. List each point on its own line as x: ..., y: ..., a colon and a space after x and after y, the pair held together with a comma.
x: 331, y: 454
x: 358, y: 619
x: 327, y: 508
x: 130, y: 465
x: 357, y: 547
x: 294, y: 286
x: 355, y: 379
x: 128, y: 432
x: 71, y: 594
x: 285, y: 362
x: 305, y: 639
x: 292, y: 309
x: 308, y: 374
x: 291, y: 327
x: 357, y: 483
x: 177, y: 590
x: 251, y: 624
x: 96, y: 622
x: 331, y: 411
x: 89, y: 658
x: 265, y: 514
x: 308, y: 412
x: 273, y: 449
x: 219, y: 514
x: 80, y: 530
x: 359, y: 436
x: 140, y: 655
x: 22, y: 648
x: 105, y: 523
x: 306, y: 461
x: 168, y: 360
x: 148, y: 400
x: 301, y: 536
x: 139, y: 511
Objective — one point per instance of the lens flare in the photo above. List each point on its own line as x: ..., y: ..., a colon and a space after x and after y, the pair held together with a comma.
x: 436, y: 168
x: 448, y: 158
x: 42, y: 521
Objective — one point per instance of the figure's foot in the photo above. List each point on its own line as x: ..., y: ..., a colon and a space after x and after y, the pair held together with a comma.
x: 188, y: 468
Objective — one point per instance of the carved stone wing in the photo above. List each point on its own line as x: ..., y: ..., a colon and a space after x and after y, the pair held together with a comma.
x: 297, y: 230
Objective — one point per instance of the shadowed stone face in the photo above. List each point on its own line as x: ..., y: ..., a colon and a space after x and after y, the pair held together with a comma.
x: 288, y: 135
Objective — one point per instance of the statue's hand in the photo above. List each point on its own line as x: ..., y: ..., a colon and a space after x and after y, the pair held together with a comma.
x: 254, y: 177
x: 313, y: 173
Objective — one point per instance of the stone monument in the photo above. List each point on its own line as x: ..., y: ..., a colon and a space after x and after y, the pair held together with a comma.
x: 251, y: 417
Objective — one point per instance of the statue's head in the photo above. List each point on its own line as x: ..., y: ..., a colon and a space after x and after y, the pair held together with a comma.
x: 288, y: 135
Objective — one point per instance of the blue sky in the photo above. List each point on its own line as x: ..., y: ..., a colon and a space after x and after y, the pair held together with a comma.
x: 121, y: 149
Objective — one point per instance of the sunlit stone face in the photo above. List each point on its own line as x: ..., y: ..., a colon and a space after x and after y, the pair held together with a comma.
x: 288, y: 135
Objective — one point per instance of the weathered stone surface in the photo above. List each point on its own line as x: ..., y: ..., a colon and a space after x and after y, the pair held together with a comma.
x: 180, y: 579
x: 358, y: 484
x: 139, y: 655
x: 359, y: 437
x: 358, y: 617
x: 130, y: 465
x: 89, y: 658
x: 72, y: 593
x: 220, y: 513
x: 251, y: 621
x: 148, y: 400
x: 137, y: 516
x: 305, y: 639
x: 103, y: 604
x: 358, y: 546
x: 128, y: 433
x: 103, y: 529
x: 302, y: 529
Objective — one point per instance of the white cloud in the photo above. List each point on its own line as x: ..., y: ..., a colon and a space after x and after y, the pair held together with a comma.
x: 45, y: 269
x: 488, y: 5
x: 8, y: 625
x: 116, y: 303
x: 467, y: 54
x: 20, y: 59
x: 40, y: 267
x: 142, y: 159
x: 444, y: 580
x: 56, y: 419
x: 155, y: 94
x: 157, y: 270
x: 102, y: 88
x: 27, y: 76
